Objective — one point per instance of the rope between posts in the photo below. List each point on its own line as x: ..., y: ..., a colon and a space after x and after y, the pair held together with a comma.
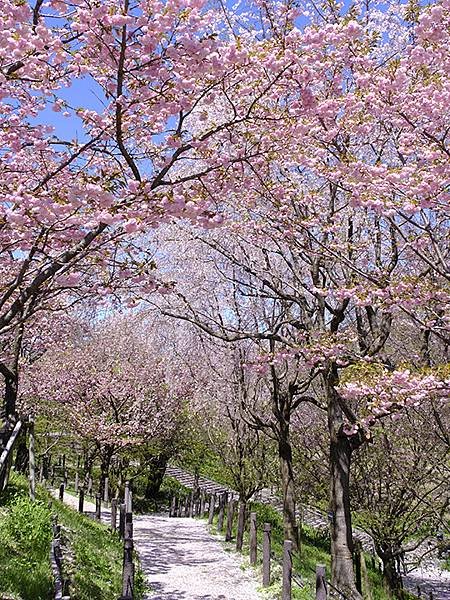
x: 326, y: 582
x: 297, y: 579
x: 300, y: 582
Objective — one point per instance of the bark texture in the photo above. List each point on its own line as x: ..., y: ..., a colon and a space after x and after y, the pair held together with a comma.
x: 287, y: 486
x: 342, y: 574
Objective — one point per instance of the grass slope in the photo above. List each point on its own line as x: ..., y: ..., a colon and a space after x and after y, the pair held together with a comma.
x: 25, y: 534
x: 93, y: 555
x: 95, y: 568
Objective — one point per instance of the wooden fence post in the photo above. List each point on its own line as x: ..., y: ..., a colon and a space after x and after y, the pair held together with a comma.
x: 31, y: 460
x: 98, y: 506
x: 212, y: 504
x: 128, y: 570
x: 56, y: 560
x: 122, y: 520
x: 173, y: 507
x: 129, y: 517
x: 253, y: 539
x: 230, y: 515
x: 357, y: 550
x: 126, y: 525
x: 114, y: 514
x: 61, y: 492
x: 106, y: 490
x: 321, y: 585
x: 266, y: 555
x: 240, y: 527
x: 287, y: 570
x: 81, y: 500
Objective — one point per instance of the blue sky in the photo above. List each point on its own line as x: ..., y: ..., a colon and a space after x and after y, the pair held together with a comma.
x: 83, y: 92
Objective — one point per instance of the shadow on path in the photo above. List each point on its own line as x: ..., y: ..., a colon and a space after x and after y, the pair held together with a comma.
x: 182, y: 561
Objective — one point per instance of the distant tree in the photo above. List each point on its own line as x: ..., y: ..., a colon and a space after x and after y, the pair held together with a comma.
x: 110, y: 389
x: 248, y: 455
x: 400, y: 490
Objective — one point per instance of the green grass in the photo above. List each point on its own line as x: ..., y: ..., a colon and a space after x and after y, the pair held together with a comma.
x: 25, y: 534
x: 96, y: 565
x: 92, y: 554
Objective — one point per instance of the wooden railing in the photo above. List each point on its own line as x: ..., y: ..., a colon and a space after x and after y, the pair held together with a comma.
x: 200, y: 503
x: 56, y: 561
x: 125, y: 528
x: 7, y: 453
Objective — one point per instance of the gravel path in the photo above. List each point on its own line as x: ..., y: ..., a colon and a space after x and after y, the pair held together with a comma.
x: 182, y: 560
x: 429, y: 578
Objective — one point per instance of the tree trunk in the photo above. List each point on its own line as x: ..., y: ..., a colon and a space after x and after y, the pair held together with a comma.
x: 103, y: 476
x: 287, y: 486
x: 11, y: 385
x: 196, y: 489
x: 46, y: 461
x: 342, y: 575
x: 155, y: 478
x: 104, y: 470
x: 10, y: 372
x: 88, y: 463
x: 391, y: 575
x: 21, y: 462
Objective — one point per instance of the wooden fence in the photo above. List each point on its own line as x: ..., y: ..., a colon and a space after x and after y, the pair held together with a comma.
x: 199, y: 503
x: 8, y: 438
x: 119, y: 511
x: 61, y: 584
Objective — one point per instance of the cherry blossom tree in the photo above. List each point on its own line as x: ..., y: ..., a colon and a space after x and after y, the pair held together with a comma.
x: 110, y: 389
x: 227, y: 391
x: 337, y: 231
x: 399, y: 487
x: 73, y: 205
x: 322, y: 142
